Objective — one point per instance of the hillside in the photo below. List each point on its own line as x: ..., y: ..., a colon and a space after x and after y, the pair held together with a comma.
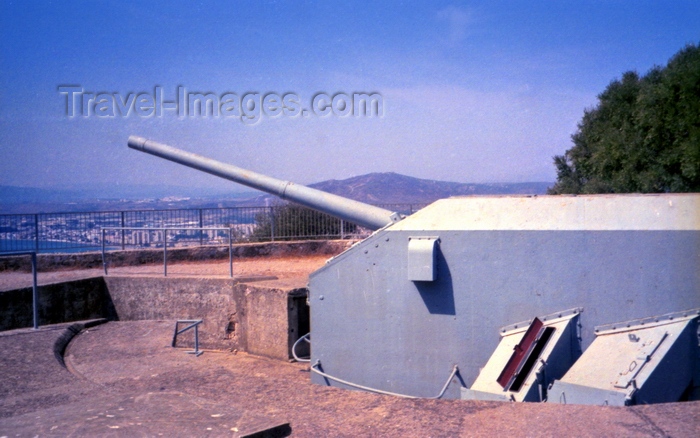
x: 373, y: 188
x: 387, y: 188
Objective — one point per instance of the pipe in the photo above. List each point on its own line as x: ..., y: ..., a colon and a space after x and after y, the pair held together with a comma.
x: 362, y: 214
x: 316, y: 368
x: 294, y: 348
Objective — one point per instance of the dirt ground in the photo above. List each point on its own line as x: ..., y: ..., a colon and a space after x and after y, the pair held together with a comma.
x: 124, y: 379
x: 289, y: 271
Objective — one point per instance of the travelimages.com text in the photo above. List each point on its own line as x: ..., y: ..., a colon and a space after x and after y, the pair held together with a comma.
x: 248, y: 108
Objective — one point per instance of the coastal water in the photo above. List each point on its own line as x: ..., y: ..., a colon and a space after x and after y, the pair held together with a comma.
x: 14, y: 245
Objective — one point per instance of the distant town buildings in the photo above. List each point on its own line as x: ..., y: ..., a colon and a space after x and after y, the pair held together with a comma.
x: 85, y: 229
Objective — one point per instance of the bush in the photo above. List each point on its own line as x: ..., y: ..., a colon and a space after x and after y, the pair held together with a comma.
x: 293, y: 221
x: 644, y: 135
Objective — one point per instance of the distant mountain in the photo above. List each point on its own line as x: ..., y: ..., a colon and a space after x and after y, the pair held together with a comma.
x: 389, y: 188
x: 373, y: 188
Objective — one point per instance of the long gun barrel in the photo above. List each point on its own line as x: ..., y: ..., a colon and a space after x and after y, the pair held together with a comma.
x: 362, y: 214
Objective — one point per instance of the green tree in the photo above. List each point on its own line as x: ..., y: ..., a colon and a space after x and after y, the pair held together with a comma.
x: 293, y: 221
x: 643, y: 136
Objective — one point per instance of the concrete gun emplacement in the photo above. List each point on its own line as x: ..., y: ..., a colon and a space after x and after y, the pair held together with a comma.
x: 565, y: 299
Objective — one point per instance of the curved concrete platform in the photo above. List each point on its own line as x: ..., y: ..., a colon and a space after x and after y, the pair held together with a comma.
x: 126, y: 380
x: 42, y: 397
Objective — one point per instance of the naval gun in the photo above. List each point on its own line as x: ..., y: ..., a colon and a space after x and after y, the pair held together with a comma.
x: 366, y: 215
x: 567, y: 299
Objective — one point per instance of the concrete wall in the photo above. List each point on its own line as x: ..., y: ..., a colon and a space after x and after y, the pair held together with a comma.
x: 61, y: 302
x: 246, y: 317
x: 237, y: 316
x: 180, y: 298
x: 273, y: 320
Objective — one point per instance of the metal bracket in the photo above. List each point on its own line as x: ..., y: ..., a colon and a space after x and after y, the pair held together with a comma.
x: 395, y: 217
x: 521, y: 326
x: 651, y: 321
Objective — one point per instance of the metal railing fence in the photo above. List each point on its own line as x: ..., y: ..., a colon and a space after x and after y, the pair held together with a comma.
x: 81, y: 231
x: 213, y: 236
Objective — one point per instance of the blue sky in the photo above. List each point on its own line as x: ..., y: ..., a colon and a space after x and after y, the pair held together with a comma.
x: 474, y: 91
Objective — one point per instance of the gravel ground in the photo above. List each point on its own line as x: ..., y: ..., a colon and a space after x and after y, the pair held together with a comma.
x: 124, y: 379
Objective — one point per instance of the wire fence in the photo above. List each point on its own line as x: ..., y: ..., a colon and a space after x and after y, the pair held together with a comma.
x: 82, y: 231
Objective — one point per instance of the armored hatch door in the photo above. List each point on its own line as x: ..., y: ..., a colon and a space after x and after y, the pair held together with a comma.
x: 649, y: 360
x: 530, y: 355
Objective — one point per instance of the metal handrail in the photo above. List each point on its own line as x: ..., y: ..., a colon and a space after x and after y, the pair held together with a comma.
x: 193, y: 323
x: 165, y: 243
x: 35, y: 289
